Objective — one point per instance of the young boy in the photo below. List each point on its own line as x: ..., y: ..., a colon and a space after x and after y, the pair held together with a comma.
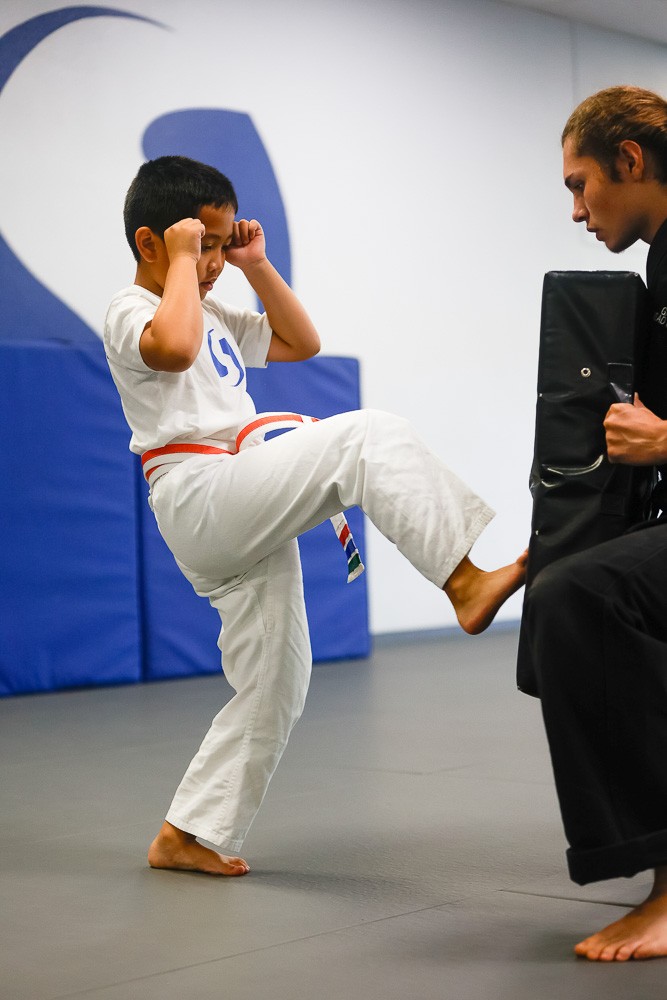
x: 230, y: 516
x: 598, y: 620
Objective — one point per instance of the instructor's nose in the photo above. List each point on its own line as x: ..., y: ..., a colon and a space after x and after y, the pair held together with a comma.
x: 579, y: 212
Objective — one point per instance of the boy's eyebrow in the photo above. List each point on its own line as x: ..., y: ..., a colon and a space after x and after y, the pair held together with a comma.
x: 568, y: 181
x: 217, y: 238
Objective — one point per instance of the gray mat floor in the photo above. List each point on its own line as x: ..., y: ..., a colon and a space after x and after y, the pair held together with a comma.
x: 409, y: 846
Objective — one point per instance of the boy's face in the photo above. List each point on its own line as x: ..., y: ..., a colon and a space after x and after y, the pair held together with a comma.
x: 219, y: 223
x: 219, y: 230
x: 610, y: 208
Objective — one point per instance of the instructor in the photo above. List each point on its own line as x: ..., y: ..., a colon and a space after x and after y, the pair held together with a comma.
x: 597, y: 621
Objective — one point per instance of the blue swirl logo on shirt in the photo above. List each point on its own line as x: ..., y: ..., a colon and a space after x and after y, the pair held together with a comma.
x: 223, y: 347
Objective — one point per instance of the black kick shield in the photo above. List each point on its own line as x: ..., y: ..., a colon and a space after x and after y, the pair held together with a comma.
x: 592, y: 343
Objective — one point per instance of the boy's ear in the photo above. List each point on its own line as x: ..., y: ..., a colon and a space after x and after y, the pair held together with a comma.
x: 145, y: 240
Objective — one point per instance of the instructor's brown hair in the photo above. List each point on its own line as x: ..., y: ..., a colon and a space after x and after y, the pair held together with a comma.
x: 603, y: 121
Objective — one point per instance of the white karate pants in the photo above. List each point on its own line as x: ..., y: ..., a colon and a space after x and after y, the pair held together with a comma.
x: 231, y: 523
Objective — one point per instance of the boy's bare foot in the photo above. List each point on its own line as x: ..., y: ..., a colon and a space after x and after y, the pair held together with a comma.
x: 641, y: 933
x: 477, y: 596
x: 173, y: 848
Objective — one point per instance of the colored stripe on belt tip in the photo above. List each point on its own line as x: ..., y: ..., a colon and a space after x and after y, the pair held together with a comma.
x: 355, y: 567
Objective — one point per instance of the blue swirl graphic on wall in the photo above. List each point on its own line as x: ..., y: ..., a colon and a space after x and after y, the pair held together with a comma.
x: 227, y: 140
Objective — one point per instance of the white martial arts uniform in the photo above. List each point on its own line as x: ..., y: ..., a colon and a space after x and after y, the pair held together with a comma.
x: 231, y: 521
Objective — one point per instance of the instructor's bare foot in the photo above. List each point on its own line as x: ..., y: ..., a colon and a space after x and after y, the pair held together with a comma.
x: 641, y: 933
x: 477, y: 596
x: 173, y: 848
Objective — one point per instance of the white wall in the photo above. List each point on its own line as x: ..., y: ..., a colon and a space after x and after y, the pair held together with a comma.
x: 417, y: 150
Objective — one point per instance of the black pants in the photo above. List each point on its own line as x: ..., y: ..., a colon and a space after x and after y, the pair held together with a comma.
x: 597, y: 632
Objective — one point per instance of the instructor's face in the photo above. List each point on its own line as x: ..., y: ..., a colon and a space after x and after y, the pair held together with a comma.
x: 603, y: 204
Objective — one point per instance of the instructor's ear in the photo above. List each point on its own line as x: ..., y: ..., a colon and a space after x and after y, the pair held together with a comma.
x: 145, y: 240
x: 630, y: 160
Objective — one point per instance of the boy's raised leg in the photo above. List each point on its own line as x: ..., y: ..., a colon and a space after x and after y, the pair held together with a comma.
x: 176, y: 849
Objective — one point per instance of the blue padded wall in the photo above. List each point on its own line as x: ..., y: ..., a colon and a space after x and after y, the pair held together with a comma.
x: 181, y: 629
x: 69, y: 612
x: 89, y: 592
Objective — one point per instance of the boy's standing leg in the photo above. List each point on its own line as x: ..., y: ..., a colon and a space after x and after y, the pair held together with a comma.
x: 267, y: 660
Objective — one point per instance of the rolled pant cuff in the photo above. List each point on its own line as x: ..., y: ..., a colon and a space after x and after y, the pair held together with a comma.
x: 204, y: 833
x: 618, y: 860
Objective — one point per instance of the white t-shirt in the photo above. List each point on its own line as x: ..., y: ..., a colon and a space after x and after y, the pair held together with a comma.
x: 209, y: 401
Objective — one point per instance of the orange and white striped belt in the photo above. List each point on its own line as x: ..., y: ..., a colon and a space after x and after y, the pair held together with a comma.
x: 156, y: 462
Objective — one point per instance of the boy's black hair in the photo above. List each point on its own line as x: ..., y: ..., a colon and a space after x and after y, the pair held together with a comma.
x: 171, y: 188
